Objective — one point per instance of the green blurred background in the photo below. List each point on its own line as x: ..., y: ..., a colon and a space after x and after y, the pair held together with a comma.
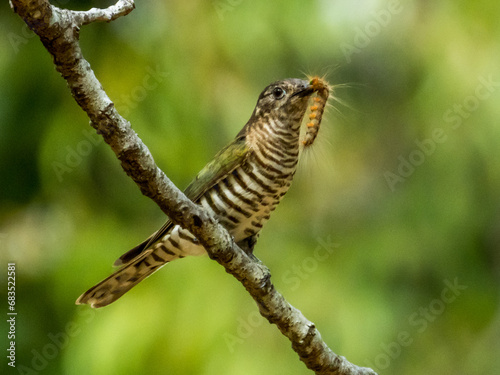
x: 402, y: 187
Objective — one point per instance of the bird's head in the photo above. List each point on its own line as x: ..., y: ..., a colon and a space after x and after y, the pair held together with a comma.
x: 285, y: 101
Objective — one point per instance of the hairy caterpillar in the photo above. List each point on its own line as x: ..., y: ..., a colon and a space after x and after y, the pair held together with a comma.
x: 317, y: 108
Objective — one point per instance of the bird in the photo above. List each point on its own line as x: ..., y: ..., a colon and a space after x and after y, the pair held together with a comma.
x: 240, y: 187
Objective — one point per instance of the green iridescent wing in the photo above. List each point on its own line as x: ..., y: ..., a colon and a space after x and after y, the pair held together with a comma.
x: 228, y: 159
x: 223, y: 163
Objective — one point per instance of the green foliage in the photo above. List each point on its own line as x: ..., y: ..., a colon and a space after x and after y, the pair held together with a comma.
x: 404, y: 180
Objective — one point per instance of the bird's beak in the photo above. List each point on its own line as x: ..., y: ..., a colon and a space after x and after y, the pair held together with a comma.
x: 304, y: 92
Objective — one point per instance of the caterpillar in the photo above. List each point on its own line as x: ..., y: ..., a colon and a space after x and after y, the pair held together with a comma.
x: 317, y: 108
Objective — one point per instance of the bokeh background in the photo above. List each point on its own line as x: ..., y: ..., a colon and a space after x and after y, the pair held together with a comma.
x: 388, y: 240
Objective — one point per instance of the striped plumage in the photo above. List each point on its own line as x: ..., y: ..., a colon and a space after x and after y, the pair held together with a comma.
x: 241, y: 187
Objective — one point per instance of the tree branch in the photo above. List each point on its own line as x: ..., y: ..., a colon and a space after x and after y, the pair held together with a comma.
x: 121, y: 8
x: 58, y: 30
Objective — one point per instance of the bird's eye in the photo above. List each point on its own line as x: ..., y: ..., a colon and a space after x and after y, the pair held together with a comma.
x: 278, y: 93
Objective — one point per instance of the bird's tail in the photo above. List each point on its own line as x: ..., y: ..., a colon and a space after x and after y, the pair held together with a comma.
x: 120, y: 282
x: 141, y: 262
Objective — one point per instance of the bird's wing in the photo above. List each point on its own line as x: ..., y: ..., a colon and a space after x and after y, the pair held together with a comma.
x: 228, y: 159
x: 223, y: 164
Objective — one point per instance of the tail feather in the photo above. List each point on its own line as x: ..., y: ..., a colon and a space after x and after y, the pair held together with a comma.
x: 143, y: 246
x: 120, y: 282
x: 131, y: 254
x: 176, y: 244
